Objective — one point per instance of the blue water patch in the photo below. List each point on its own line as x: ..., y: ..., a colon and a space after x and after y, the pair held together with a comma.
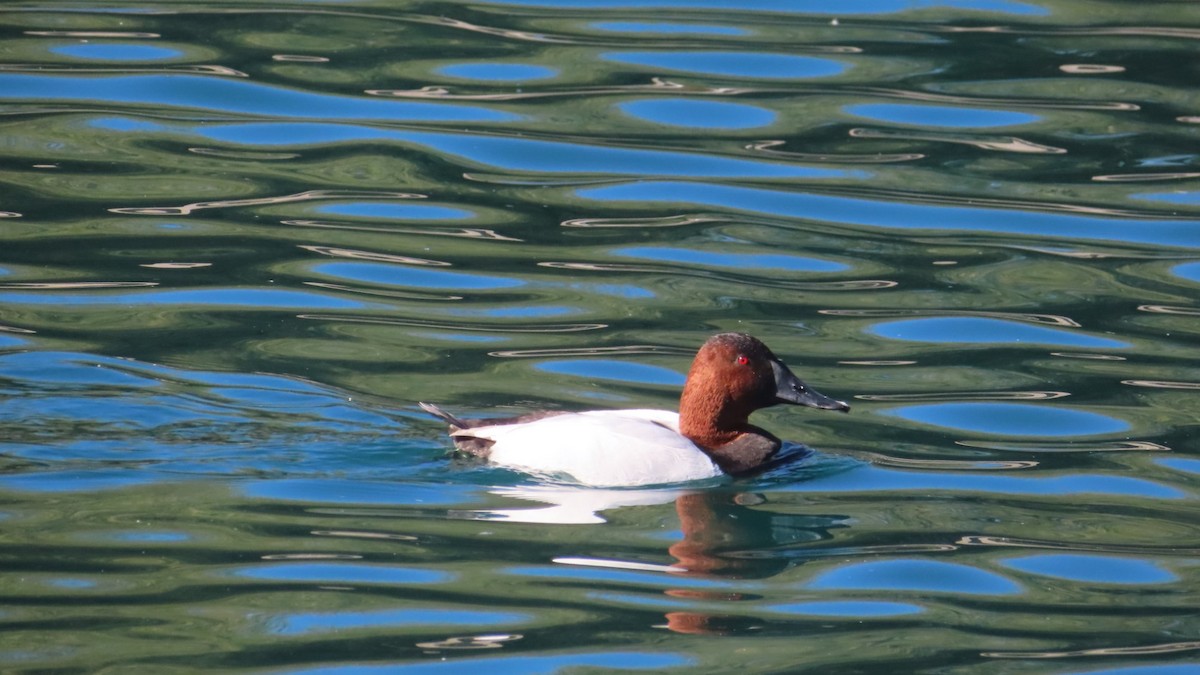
x: 620, y: 290
x: 850, y: 609
x: 1189, y: 271
x: 940, y: 116
x: 413, y: 276
x: 126, y: 124
x: 117, y: 52
x: 73, y: 583
x: 215, y: 297
x: 157, y: 536
x: 1190, y: 668
x: 273, y: 398
x: 1092, y: 568
x: 1010, y: 419
x: 756, y: 65
x: 359, y: 492
x: 343, y: 573
x: 1184, y: 160
x: 126, y: 411
x: 609, y: 575
x: 575, y: 661
x: 519, y: 154
x: 320, y: 622
x: 699, y: 114
x: 741, y: 261
x: 915, y: 575
x: 1001, y: 6
x: 666, y: 28
x: 877, y: 479
x: 77, y: 481
x: 979, y: 330
x: 656, y: 600
x: 515, y: 311
x: 1181, y: 197
x: 476, y: 338
x: 71, y: 368
x: 901, y: 216
x: 234, y: 379
x: 78, y: 370
x: 233, y: 96
x: 1180, y: 464
x: 819, y: 7
x: 609, y: 369
x: 12, y: 341
x: 395, y: 211
x: 498, y: 72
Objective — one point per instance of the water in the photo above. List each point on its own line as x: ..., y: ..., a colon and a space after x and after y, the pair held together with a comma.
x: 241, y: 240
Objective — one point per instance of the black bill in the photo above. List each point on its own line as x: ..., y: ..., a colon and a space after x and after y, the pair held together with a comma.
x: 789, y: 389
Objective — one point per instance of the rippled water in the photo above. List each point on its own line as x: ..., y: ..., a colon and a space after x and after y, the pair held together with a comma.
x: 241, y: 240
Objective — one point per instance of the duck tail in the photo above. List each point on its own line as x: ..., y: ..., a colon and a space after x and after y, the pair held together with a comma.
x: 443, y: 415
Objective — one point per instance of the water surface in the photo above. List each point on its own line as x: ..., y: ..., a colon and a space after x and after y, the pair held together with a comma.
x: 239, y: 242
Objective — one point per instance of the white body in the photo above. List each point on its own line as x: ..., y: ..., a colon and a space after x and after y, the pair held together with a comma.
x: 600, y: 447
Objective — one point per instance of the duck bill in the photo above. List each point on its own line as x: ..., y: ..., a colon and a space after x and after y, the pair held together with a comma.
x: 789, y: 389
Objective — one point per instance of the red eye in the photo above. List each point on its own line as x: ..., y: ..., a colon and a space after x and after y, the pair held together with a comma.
x: 742, y: 360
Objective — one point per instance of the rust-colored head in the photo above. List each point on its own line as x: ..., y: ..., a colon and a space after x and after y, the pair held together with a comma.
x: 733, y: 375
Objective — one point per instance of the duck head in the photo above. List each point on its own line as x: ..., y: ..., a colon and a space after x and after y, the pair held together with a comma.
x: 733, y: 375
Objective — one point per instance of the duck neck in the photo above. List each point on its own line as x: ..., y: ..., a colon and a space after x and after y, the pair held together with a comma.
x: 709, y: 419
x: 721, y: 428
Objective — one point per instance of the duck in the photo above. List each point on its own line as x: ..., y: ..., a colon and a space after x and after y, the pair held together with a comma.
x: 732, y: 375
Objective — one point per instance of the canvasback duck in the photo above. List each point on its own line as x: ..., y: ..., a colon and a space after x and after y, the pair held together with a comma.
x: 733, y: 375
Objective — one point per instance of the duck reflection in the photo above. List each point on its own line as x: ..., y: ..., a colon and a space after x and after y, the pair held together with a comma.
x: 723, y: 535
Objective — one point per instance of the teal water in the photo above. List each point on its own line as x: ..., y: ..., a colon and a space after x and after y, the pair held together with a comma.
x: 240, y: 240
